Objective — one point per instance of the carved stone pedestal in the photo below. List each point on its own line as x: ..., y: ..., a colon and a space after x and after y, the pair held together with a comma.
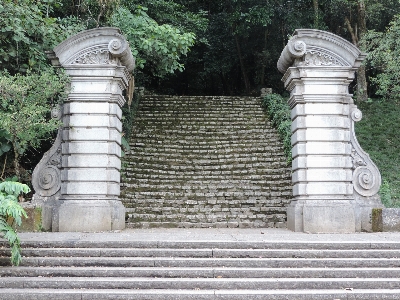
x: 99, y: 63
x: 335, y: 184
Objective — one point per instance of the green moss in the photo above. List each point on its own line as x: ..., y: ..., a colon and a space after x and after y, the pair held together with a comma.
x: 377, y: 223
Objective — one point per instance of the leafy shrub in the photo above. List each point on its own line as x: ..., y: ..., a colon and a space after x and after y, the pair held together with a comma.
x: 25, y: 104
x: 279, y: 114
x: 385, y: 193
x: 384, y: 56
x: 11, y: 210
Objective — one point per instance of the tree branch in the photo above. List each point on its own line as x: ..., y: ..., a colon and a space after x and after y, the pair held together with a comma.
x: 351, y: 30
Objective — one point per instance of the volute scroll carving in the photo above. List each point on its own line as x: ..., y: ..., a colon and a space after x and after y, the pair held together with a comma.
x: 46, y: 177
x: 366, y: 175
x: 293, y: 50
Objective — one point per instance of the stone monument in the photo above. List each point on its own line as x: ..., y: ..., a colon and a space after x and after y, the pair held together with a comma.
x: 77, y: 182
x: 335, y: 183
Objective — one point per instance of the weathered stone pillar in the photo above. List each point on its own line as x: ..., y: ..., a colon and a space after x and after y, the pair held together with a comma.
x: 334, y: 187
x: 99, y: 63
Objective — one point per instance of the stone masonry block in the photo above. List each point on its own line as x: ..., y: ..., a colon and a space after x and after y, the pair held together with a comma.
x: 79, y: 107
x: 91, y: 161
x: 328, y: 218
x: 323, y: 89
x: 317, y: 134
x: 91, y: 174
x: 327, y: 175
x: 322, y: 148
x: 323, y: 188
x: 86, y: 120
x: 93, y: 108
x: 91, y: 134
x: 319, y: 161
x: 95, y: 85
x: 319, y: 109
x: 315, y: 121
x: 90, y: 215
x: 91, y: 188
x: 111, y: 148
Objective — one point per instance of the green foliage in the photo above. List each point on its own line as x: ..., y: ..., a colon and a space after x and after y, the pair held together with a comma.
x: 158, y: 47
x: 5, y: 144
x: 242, y: 16
x: 279, y: 113
x: 386, y: 194
x: 378, y: 135
x: 10, y: 209
x: 25, y: 104
x: 173, y: 13
x: 128, y: 115
x: 384, y: 56
x: 27, y: 30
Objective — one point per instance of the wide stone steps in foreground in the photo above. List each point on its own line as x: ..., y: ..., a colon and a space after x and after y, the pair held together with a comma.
x: 203, y: 265
x: 205, y: 162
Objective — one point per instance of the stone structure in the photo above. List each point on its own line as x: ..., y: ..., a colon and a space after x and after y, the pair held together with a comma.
x: 205, y: 162
x: 335, y: 183
x: 78, y: 180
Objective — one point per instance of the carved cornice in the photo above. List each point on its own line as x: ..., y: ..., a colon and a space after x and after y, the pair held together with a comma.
x: 309, y: 47
x: 98, y: 46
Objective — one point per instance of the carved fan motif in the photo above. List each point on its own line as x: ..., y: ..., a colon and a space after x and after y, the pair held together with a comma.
x: 99, y: 57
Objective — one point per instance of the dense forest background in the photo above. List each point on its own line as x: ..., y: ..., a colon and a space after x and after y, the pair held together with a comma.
x: 187, y: 47
x: 198, y: 47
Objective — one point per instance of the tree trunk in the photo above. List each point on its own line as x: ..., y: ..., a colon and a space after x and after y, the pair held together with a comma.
x: 362, y: 87
x: 16, y: 162
x: 354, y: 38
x: 242, y: 67
x: 316, y: 13
x: 357, y: 34
x: 262, y: 76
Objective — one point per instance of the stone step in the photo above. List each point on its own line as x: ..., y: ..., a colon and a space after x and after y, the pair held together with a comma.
x: 81, y: 294
x: 190, y: 184
x: 148, y: 283
x: 180, y: 144
x: 200, y: 272
x: 298, y: 246
x: 139, y: 265
x: 206, y: 253
x: 164, y: 262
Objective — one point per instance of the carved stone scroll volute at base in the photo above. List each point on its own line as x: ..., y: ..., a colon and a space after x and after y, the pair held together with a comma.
x: 46, y: 177
x: 366, y: 175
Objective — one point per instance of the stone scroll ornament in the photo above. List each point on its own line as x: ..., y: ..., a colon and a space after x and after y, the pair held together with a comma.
x: 46, y: 177
x: 366, y: 175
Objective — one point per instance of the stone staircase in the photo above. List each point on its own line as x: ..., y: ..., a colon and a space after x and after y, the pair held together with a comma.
x: 205, y: 162
x: 200, y: 269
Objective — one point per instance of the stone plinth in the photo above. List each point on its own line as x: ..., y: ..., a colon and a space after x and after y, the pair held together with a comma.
x: 330, y: 195
x: 99, y: 63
